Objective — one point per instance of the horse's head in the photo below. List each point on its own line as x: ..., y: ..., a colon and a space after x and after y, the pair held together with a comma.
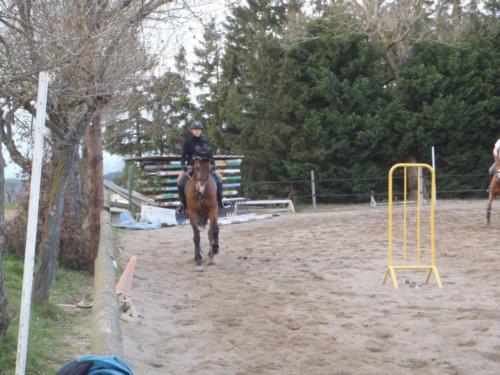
x: 201, y: 172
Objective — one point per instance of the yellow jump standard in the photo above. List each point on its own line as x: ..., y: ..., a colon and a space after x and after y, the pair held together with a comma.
x: 391, y: 268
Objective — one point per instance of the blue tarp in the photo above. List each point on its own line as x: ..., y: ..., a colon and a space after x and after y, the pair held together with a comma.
x: 128, y: 222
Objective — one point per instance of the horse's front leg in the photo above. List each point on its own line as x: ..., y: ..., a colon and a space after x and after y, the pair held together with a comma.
x: 196, y: 240
x: 490, y: 202
x: 214, y: 240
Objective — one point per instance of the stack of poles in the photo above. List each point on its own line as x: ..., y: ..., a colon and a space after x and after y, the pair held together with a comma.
x: 158, y: 179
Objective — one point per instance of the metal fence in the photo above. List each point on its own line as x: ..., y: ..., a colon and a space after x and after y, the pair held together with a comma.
x: 313, y: 190
x: 362, y: 189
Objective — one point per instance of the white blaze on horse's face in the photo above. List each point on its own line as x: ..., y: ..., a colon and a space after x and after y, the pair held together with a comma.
x: 200, y: 188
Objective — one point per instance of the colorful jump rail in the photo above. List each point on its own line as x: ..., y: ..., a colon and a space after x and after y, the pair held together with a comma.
x: 158, y: 176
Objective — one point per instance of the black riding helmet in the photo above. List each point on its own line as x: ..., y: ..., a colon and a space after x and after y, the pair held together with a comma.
x: 197, y: 125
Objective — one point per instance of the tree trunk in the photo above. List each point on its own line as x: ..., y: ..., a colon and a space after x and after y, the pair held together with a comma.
x: 456, y: 18
x: 51, y: 232
x: 76, y: 201
x: 73, y: 246
x: 4, y: 317
x: 390, y: 59
x: 95, y: 182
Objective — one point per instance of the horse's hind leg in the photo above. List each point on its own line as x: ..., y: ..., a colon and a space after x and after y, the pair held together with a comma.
x: 213, y: 237
x: 214, y: 240
x: 215, y: 245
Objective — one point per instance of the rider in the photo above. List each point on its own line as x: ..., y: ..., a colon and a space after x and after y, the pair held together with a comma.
x: 496, y: 156
x: 196, y: 145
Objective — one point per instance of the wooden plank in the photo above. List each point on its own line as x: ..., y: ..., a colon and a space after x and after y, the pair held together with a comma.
x: 172, y: 157
x: 268, y: 202
x: 105, y: 334
x: 157, y: 181
x: 175, y: 165
x: 172, y: 173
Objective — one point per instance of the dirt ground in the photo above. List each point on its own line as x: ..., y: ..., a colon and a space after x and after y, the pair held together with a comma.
x: 303, y: 294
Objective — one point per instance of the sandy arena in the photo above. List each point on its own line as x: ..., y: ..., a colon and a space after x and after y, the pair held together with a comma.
x: 303, y: 294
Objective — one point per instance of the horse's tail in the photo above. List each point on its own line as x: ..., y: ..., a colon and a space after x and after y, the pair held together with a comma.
x: 202, y: 220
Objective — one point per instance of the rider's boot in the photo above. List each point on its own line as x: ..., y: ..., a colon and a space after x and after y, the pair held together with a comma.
x: 219, y: 199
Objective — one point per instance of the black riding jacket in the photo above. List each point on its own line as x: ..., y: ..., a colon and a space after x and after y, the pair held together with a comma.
x: 196, y: 146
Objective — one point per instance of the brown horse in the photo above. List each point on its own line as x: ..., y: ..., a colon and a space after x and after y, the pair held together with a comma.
x: 201, y: 199
x: 494, y: 188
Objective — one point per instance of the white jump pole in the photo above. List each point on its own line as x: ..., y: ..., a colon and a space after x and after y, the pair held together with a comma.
x: 29, y: 256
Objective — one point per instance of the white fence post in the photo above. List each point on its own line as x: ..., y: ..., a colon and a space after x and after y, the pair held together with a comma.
x: 313, y: 190
x: 434, y: 168
x: 433, y: 159
x: 29, y: 256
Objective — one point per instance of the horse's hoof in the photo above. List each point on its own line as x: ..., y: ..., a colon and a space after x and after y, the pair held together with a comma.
x: 199, y: 268
x: 215, y: 250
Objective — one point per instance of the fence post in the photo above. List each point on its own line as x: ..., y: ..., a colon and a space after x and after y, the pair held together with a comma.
x: 31, y: 228
x: 129, y: 185
x: 433, y: 155
x: 313, y: 190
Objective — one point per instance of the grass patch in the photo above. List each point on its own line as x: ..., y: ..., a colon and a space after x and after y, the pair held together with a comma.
x: 56, y: 334
x: 11, y: 206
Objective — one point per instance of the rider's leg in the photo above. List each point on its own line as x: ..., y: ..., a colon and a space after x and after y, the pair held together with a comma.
x: 492, y: 169
x: 181, y: 185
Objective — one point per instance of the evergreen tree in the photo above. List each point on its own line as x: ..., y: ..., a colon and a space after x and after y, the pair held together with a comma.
x: 450, y: 95
x: 158, y: 114
x: 208, y: 70
x: 249, y: 86
x: 334, y: 96
x: 127, y: 134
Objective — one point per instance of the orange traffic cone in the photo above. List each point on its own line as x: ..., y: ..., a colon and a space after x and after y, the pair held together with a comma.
x: 124, y: 285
